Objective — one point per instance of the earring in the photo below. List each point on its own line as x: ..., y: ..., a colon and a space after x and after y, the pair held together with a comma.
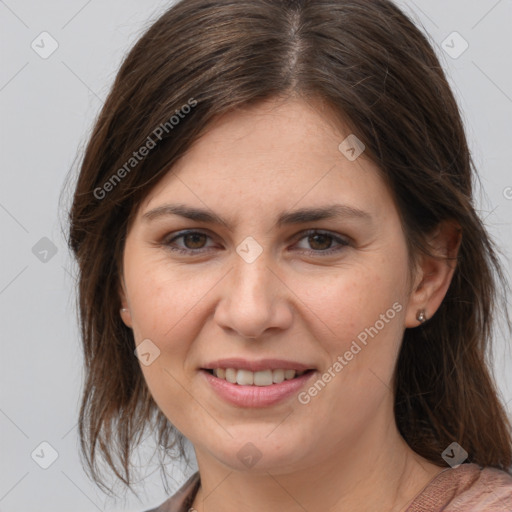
x: 421, y: 317
x: 124, y: 310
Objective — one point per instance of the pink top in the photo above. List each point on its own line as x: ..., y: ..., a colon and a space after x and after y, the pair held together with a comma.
x: 465, y: 488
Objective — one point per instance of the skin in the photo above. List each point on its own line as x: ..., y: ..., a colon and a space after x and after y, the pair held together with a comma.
x: 342, y: 450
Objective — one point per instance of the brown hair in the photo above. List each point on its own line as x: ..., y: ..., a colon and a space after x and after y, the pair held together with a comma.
x: 380, y: 75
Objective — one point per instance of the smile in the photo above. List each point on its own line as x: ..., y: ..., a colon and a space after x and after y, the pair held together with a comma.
x: 260, y: 392
x: 244, y: 377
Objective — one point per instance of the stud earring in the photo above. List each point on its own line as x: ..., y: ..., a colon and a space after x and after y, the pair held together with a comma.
x: 421, y: 317
x: 124, y: 310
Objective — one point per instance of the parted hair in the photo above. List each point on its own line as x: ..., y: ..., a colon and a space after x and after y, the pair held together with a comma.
x: 381, y: 76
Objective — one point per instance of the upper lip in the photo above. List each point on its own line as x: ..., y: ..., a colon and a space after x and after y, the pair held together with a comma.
x: 255, y: 366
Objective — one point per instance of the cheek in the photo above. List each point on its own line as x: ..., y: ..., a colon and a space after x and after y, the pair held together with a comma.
x: 358, y: 321
x: 165, y: 304
x: 163, y: 299
x: 354, y: 298
x: 358, y: 314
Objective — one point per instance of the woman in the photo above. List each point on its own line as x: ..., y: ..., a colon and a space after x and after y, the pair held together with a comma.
x: 281, y: 263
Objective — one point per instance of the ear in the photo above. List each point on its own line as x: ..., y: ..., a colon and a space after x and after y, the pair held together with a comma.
x: 434, y: 273
x: 125, y: 308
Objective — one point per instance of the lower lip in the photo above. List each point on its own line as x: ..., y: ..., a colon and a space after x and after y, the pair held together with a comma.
x: 256, y: 396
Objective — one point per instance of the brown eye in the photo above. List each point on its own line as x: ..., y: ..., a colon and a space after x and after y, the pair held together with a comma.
x: 192, y: 242
x: 321, y: 243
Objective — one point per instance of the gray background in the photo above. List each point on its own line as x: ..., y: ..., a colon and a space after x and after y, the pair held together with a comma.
x: 47, y: 109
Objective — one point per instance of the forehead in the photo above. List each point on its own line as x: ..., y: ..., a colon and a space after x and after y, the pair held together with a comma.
x: 273, y: 155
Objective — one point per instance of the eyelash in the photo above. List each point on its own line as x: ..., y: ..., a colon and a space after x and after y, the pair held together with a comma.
x: 343, y: 243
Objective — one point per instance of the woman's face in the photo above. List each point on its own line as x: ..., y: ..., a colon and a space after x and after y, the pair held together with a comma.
x: 252, y: 288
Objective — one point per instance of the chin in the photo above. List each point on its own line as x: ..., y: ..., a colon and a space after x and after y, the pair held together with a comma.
x: 258, y: 454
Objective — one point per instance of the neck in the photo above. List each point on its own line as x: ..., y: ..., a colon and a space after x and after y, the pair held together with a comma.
x: 375, y: 470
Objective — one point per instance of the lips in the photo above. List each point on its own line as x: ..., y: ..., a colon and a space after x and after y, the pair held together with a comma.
x: 271, y: 377
x: 254, y: 396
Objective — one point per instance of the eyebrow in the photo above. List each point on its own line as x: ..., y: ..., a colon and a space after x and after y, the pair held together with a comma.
x: 300, y: 216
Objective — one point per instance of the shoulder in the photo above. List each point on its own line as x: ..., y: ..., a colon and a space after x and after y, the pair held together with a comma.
x: 466, y: 488
x: 182, y: 500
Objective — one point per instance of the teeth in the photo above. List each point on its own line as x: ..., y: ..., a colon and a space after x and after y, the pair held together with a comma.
x: 278, y: 376
x: 244, y: 377
x: 231, y: 375
x: 261, y: 378
x: 289, y: 374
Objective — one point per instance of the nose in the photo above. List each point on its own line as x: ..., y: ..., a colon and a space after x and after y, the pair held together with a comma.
x: 254, y: 300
